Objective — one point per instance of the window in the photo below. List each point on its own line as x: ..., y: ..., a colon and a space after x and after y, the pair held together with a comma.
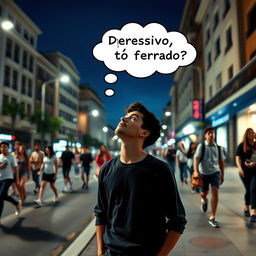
x: 28, y: 109
x: 230, y: 72
x: 0, y: 10
x: 210, y: 91
x: 216, y: 20
x: 209, y: 60
x: 29, y: 87
x: 251, y: 21
x: 18, y: 27
x: 23, y: 107
x: 15, y: 80
x: 16, y: 53
x: 229, y: 42
x: 218, y: 82
x: 32, y: 40
x: 5, y: 99
x: 25, y: 59
x: 7, y: 72
x: 13, y: 100
x: 31, y: 63
x: 208, y: 35
x: 8, y: 51
x: 227, y: 7
x: 217, y: 48
x: 23, y: 85
x: 25, y: 34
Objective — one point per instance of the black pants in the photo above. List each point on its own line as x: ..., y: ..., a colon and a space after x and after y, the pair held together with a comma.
x: 4, y: 186
x: 249, y: 181
x: 35, y: 178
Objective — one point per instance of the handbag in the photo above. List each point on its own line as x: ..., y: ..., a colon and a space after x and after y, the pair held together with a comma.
x: 196, y: 182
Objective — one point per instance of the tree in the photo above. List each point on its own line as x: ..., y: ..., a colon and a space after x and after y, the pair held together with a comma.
x: 90, y: 141
x: 55, y: 125
x: 13, y: 109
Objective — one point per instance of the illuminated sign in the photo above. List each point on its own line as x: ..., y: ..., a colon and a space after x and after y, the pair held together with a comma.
x: 7, y: 137
x: 197, y: 109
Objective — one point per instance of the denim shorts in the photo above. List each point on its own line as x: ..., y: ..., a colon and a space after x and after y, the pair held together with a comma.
x: 213, y: 179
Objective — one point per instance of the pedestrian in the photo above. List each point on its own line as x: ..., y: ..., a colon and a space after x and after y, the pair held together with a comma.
x: 24, y: 171
x: 139, y: 211
x: 181, y: 162
x: 67, y: 158
x: 77, y: 161
x: 209, y: 163
x: 102, y: 157
x: 170, y: 156
x: 8, y: 166
x: 49, y: 168
x: 36, y: 161
x: 247, y: 172
x: 86, y: 160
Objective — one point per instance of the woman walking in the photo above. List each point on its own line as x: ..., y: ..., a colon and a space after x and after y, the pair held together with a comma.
x: 247, y: 172
x: 102, y: 157
x: 24, y: 171
x: 49, y: 168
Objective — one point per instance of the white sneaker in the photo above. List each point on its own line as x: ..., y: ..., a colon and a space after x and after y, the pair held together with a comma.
x: 65, y: 189
x: 95, y: 177
x: 38, y: 202
x: 18, y: 209
x: 55, y: 199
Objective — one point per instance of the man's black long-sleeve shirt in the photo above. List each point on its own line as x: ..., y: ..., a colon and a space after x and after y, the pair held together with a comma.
x: 138, y: 203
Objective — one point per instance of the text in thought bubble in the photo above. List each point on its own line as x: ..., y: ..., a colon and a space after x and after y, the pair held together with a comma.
x: 141, y: 51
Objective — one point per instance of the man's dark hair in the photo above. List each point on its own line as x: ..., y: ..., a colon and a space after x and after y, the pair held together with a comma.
x: 5, y: 143
x: 150, y: 122
x: 207, y: 129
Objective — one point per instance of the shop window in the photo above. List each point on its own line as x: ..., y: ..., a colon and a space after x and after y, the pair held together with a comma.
x: 209, y: 64
x: 227, y: 7
x: 216, y: 21
x: 8, y: 51
x: 251, y: 21
x: 218, y: 82
x: 217, y: 48
x: 230, y: 72
x: 16, y: 53
x: 7, y: 73
x: 23, y: 85
x: 229, y: 41
x: 15, y: 80
x: 25, y: 59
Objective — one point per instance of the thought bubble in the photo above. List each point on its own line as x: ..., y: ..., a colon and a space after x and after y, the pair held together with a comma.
x: 110, y: 78
x: 141, y: 51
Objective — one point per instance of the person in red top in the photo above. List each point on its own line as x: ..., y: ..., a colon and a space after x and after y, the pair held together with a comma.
x: 102, y: 157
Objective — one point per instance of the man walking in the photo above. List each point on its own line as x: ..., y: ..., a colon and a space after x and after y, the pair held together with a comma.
x: 67, y: 161
x: 209, y: 163
x: 86, y: 160
x: 36, y: 160
x: 8, y: 166
x: 139, y: 211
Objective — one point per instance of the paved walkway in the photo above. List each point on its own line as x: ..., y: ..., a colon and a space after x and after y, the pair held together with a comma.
x: 235, y: 236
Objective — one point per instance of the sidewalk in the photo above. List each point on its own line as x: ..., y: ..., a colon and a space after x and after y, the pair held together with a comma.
x: 235, y: 236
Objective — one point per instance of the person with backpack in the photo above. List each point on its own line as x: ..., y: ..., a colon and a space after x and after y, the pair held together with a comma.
x: 209, y: 163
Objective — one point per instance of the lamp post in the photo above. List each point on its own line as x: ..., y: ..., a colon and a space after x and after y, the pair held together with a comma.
x: 7, y: 25
x: 63, y: 79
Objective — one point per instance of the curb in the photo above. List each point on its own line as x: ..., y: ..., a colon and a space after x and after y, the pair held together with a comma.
x: 81, y: 241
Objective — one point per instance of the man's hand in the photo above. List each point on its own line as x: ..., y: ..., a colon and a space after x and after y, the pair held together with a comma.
x: 241, y: 172
x: 101, y: 253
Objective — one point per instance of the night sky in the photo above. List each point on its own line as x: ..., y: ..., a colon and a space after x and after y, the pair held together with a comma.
x: 74, y: 27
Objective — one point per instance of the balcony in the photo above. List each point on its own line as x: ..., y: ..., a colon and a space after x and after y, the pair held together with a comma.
x: 245, y: 75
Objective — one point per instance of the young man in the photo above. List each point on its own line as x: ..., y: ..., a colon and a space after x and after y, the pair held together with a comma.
x: 67, y: 161
x: 36, y: 160
x: 86, y: 160
x: 211, y: 167
x: 8, y: 166
x: 139, y: 211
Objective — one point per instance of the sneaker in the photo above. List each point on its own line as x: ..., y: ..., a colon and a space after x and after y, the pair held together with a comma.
x: 38, y: 202
x: 65, y: 189
x: 86, y: 187
x: 95, y: 177
x: 204, y: 205
x: 253, y: 218
x: 55, y: 199
x: 214, y: 223
x: 18, y: 209
x: 247, y: 213
x: 83, y: 186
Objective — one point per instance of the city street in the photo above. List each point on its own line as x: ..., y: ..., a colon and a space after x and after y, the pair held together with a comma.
x: 47, y: 230
x: 235, y: 237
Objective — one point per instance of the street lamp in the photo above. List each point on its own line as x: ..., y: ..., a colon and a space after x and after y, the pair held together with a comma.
x: 167, y: 113
x: 63, y: 79
x: 7, y: 25
x: 105, y: 129
x: 95, y: 112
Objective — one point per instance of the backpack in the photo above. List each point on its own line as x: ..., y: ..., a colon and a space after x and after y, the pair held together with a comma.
x: 203, y: 151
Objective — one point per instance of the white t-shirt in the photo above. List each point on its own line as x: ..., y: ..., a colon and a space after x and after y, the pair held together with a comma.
x: 181, y: 156
x: 49, y: 167
x: 7, y: 172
